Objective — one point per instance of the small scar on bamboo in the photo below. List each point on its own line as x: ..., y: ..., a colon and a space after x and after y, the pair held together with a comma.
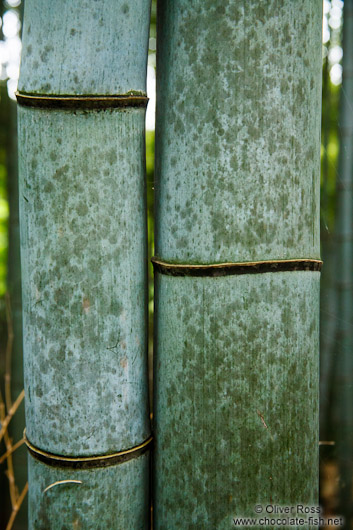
x: 264, y: 424
x: 25, y: 198
x: 262, y: 419
x: 114, y: 349
x: 123, y: 362
x: 86, y: 305
x: 59, y: 482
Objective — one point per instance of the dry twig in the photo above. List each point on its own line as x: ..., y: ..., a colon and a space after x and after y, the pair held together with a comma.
x: 17, y: 506
x: 6, y: 413
x: 9, y: 472
x: 10, y: 413
x: 13, y: 449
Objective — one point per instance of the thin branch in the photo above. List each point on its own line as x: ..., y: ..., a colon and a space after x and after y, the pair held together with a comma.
x: 13, y: 449
x: 17, y: 506
x: 10, y: 413
x: 10, y: 472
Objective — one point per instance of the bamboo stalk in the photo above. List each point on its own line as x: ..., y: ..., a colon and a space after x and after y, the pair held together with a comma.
x: 15, y: 340
x: 343, y: 390
x: 82, y: 99
x: 237, y: 182
x: 328, y: 294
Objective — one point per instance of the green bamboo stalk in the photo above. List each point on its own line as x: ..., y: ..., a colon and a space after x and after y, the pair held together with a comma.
x: 14, y: 347
x: 83, y: 253
x: 344, y: 271
x: 326, y: 129
x: 4, y: 128
x: 15, y: 313
x: 328, y: 297
x: 237, y: 167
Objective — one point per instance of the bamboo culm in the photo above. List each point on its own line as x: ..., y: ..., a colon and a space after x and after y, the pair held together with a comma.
x: 82, y: 96
x: 237, y: 180
x: 343, y: 382
x: 328, y: 298
x: 15, y: 315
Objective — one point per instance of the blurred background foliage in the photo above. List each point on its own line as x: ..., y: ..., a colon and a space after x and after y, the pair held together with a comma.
x: 10, y: 47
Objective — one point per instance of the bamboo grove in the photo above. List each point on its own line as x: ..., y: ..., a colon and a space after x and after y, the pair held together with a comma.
x: 236, y: 266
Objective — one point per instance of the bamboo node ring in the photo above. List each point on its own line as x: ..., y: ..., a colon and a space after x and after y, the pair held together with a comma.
x: 228, y: 269
x: 80, y: 102
x: 87, y: 462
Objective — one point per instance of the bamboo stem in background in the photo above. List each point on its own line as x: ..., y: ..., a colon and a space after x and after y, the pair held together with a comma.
x: 82, y: 98
x: 14, y: 352
x: 328, y: 292
x: 237, y: 180
x: 343, y: 390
